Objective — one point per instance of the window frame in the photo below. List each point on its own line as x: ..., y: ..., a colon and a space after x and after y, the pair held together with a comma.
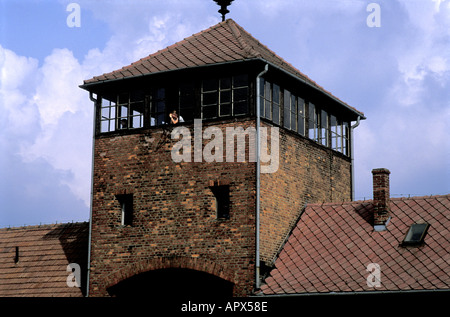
x: 413, y: 230
x: 111, y: 117
x: 223, y: 95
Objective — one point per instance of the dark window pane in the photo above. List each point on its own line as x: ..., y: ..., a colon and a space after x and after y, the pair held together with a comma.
x: 123, y: 99
x: 210, y: 98
x: 240, y: 94
x: 240, y: 80
x: 159, y: 106
x: 276, y: 93
x: 240, y: 107
x: 186, y: 115
x: 276, y: 114
x: 267, y: 91
x: 225, y: 83
x: 324, y: 119
x: 225, y: 96
x: 187, y: 102
x: 287, y: 109
x: 160, y: 119
x: 261, y: 87
x: 225, y: 109
x: 261, y: 106
x: 267, y: 110
x: 137, y: 96
x: 301, y: 125
x: 210, y: 84
x: 160, y: 93
x: 209, y: 112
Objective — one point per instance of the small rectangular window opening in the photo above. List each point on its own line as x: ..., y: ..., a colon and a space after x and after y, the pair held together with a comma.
x: 126, y: 206
x: 416, y: 234
x: 222, y: 195
x: 16, y: 257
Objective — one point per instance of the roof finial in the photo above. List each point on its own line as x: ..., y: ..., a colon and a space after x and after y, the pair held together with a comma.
x: 223, y: 7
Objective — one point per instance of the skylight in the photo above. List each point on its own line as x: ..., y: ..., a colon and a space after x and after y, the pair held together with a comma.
x: 416, y: 234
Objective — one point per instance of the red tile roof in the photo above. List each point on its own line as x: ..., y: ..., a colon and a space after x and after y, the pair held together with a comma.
x: 44, y: 253
x: 224, y: 42
x: 332, y: 245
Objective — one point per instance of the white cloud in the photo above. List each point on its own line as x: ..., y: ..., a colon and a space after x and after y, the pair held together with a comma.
x: 17, y: 74
x: 49, y: 117
x: 56, y: 114
x: 57, y: 91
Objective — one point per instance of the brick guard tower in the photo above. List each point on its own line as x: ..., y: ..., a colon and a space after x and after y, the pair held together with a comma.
x: 163, y: 228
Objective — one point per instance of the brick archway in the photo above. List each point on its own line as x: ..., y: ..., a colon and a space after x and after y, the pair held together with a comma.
x: 197, y: 264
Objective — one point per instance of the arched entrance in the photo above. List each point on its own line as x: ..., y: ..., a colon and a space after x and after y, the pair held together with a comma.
x: 173, y: 282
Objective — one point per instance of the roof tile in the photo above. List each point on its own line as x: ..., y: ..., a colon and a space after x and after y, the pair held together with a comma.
x: 44, y: 253
x: 327, y: 257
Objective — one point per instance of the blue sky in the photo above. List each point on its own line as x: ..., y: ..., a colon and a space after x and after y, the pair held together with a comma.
x: 398, y: 74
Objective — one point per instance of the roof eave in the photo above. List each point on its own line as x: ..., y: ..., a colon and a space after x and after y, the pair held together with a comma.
x: 87, y: 86
x: 321, y: 90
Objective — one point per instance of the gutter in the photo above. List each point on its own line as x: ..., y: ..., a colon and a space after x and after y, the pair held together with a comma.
x: 352, y: 156
x: 92, y: 194
x: 356, y: 293
x: 258, y: 172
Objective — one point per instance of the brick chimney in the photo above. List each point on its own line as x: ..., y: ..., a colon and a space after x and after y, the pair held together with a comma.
x: 381, y: 197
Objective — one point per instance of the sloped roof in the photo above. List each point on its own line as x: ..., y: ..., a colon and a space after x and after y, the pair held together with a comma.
x: 332, y: 245
x: 224, y: 42
x: 44, y: 253
x: 221, y: 43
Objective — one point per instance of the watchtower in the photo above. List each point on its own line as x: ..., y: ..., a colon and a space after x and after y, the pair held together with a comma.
x: 203, y: 205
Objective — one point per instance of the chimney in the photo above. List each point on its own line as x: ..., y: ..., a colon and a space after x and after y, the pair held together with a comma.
x: 381, y: 197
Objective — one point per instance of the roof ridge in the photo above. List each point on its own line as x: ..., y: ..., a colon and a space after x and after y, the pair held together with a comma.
x: 43, y: 226
x: 236, y: 31
x: 353, y: 202
x: 274, y: 54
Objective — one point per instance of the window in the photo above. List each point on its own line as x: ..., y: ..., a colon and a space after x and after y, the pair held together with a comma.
x: 126, y: 207
x: 345, y: 138
x: 287, y: 109
x: 224, y: 97
x: 276, y: 103
x: 210, y: 98
x: 130, y: 111
x: 339, y: 135
x: 323, y: 135
x: 293, y: 108
x: 126, y: 112
x: 301, y: 116
x: 186, y: 102
x: 416, y: 234
x: 313, y: 123
x: 108, y: 116
x: 240, y: 94
x: 270, y: 101
x: 158, y: 107
x: 336, y: 134
x: 222, y: 195
x: 266, y: 111
x: 305, y: 118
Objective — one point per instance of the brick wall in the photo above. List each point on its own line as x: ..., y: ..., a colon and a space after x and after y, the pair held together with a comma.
x: 307, y: 172
x: 175, y: 223
x: 174, y: 212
